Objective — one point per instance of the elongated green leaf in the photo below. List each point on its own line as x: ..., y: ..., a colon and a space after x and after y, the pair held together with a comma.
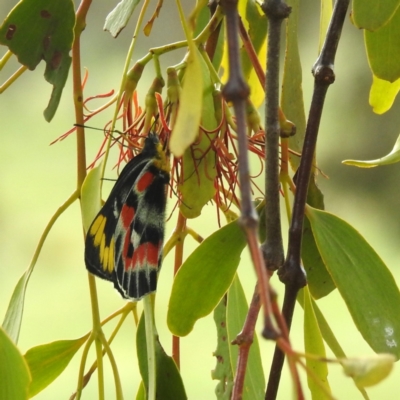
x: 391, y: 158
x: 292, y: 92
x: 383, y: 94
x: 314, y: 344
x: 254, y: 382
x: 328, y: 335
x: 198, y: 160
x: 42, y: 29
x: 256, y: 24
x: 325, y: 18
x: 13, y: 318
x: 204, y: 278
x: 14, y: 373
x: 373, y: 14
x: 46, y: 362
x: 363, y: 280
x: 119, y: 16
x: 319, y: 281
x: 141, y: 394
x: 186, y: 128
x: 168, y: 379
x: 90, y: 196
x: 383, y: 49
x: 223, y: 370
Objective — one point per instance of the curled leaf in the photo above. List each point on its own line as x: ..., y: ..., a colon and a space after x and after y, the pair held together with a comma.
x: 368, y: 371
x: 119, y: 17
x: 383, y: 94
x: 391, y: 158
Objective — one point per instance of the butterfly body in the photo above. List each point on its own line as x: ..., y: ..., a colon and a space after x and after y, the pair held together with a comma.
x: 124, y: 243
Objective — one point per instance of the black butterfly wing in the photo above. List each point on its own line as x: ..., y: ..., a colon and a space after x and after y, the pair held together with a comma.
x: 100, y: 238
x: 139, y: 245
x: 124, y: 242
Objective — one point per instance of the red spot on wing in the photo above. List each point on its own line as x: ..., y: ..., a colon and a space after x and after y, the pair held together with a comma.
x: 145, y: 181
x: 127, y: 214
x: 146, y: 253
x: 127, y: 242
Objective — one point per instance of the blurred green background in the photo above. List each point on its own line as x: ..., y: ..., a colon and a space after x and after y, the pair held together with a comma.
x: 37, y: 178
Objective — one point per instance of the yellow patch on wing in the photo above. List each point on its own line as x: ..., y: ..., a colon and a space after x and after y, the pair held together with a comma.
x: 97, y: 229
x: 111, y: 256
x: 106, y: 253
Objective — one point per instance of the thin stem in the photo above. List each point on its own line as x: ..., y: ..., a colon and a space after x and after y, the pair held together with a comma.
x: 276, y: 11
x: 80, y: 25
x: 244, y: 340
x: 150, y: 342
x: 236, y: 91
x: 180, y: 232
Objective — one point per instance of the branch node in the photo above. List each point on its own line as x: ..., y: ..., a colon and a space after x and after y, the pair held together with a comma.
x: 292, y: 274
x: 276, y: 9
x: 236, y: 89
x: 323, y: 73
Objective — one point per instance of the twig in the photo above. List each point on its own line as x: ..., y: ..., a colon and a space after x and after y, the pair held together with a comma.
x: 244, y: 340
x: 276, y: 11
x: 292, y: 273
x: 236, y: 91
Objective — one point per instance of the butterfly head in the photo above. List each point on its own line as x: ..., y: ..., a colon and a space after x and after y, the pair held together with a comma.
x: 153, y: 146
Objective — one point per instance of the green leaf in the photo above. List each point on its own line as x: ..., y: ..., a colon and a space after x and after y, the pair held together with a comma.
x: 90, y: 196
x: 292, y: 92
x: 168, y: 379
x: 373, y: 14
x: 314, y: 344
x: 368, y: 371
x: 256, y: 24
x: 325, y: 19
x: 14, y: 373
x: 391, y: 158
x: 223, y: 370
x: 186, y: 128
x: 383, y: 94
x: 119, y: 16
x: 198, y: 160
x: 254, y: 382
x: 363, y: 280
x: 46, y: 362
x: 42, y: 29
x: 328, y: 335
x: 13, y: 318
x: 383, y: 49
x: 320, y: 282
x: 199, y: 172
x: 204, y: 278
x: 141, y: 394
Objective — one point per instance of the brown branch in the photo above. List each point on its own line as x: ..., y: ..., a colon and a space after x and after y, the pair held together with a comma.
x: 236, y: 91
x: 292, y: 273
x: 244, y: 340
x: 272, y: 248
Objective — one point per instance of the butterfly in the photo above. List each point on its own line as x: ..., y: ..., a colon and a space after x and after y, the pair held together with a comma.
x: 124, y: 242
